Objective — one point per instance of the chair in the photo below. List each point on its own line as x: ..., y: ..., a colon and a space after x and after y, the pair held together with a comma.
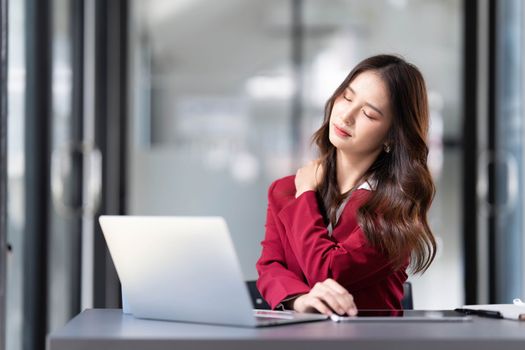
x: 257, y: 300
x: 407, y: 302
x: 260, y: 303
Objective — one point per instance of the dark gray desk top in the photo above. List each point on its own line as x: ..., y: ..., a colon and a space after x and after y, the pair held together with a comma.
x: 110, y: 329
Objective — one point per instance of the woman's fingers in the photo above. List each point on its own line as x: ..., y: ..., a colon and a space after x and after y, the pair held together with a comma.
x: 344, y: 297
x: 334, y: 301
x: 319, y: 171
x: 335, y: 296
x: 308, y: 177
x: 335, y: 286
x: 317, y: 304
x: 310, y: 303
x: 326, y: 297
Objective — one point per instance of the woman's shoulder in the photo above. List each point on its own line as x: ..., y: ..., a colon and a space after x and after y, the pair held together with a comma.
x: 282, y: 189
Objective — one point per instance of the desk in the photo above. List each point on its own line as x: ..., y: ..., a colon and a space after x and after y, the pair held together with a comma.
x: 110, y: 329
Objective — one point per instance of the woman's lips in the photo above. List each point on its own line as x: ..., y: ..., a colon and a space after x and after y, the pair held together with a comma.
x: 340, y: 132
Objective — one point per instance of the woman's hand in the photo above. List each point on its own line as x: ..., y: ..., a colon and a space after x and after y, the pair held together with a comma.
x: 308, y: 177
x: 326, y: 297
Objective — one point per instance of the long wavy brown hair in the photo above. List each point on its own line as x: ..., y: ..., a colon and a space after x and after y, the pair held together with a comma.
x: 394, y: 217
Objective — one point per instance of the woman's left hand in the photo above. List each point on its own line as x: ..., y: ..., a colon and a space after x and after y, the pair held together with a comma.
x: 308, y: 177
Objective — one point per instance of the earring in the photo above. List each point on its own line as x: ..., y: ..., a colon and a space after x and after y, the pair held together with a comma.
x: 386, y: 147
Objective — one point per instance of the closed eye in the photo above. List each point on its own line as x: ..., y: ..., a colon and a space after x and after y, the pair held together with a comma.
x: 366, y: 115
x: 351, y: 91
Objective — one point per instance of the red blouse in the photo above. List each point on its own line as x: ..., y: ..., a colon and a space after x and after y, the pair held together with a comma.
x: 298, y: 252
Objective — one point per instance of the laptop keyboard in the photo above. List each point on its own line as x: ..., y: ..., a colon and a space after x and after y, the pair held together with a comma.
x: 274, y: 314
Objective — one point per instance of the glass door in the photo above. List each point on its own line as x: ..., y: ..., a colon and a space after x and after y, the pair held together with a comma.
x: 16, y: 95
x: 507, y: 234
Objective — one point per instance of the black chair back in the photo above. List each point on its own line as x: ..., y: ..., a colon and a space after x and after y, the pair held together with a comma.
x: 407, y: 303
x: 257, y: 300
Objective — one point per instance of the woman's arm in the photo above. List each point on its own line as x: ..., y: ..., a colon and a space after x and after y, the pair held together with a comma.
x: 276, y: 283
x: 353, y: 262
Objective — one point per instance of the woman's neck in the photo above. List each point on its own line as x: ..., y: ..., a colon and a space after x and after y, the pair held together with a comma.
x: 350, y: 169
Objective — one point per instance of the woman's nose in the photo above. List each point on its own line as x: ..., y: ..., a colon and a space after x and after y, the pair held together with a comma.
x: 348, y: 116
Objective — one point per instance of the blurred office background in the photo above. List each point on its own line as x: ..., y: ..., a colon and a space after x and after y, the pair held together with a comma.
x: 194, y: 107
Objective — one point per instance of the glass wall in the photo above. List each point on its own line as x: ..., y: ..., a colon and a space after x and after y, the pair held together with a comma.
x: 63, y: 265
x: 64, y: 233
x: 211, y: 96
x: 16, y: 94
x: 508, y: 210
x: 210, y: 99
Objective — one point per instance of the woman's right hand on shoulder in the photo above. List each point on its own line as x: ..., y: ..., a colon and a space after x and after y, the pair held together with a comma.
x: 326, y: 297
x: 308, y: 177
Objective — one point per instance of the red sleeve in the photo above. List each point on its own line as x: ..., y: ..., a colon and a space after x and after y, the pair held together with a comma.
x: 276, y: 282
x: 352, y: 262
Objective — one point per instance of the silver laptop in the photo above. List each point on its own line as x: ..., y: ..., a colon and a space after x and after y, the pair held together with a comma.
x: 185, y: 269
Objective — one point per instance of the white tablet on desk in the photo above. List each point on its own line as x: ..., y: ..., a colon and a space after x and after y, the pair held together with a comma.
x: 404, y: 316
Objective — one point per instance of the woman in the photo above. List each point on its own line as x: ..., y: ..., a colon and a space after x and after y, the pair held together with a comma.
x: 341, y: 233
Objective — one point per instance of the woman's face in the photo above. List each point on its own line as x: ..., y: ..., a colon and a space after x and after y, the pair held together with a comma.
x: 361, y: 116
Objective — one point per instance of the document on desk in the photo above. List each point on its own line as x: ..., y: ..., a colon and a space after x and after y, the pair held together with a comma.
x: 507, y: 311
